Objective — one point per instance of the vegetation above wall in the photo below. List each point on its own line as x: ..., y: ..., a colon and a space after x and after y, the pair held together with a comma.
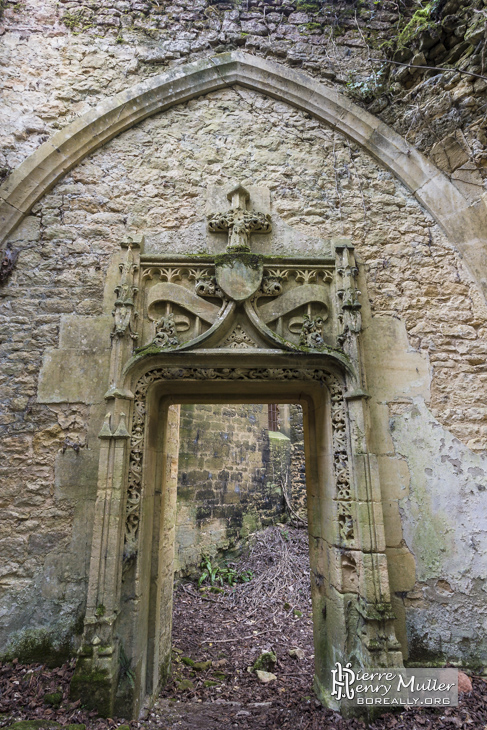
x: 418, y: 65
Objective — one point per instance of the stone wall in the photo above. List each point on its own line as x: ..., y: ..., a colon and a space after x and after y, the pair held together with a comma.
x: 298, y: 465
x: 425, y: 336
x: 229, y: 479
x: 61, y: 58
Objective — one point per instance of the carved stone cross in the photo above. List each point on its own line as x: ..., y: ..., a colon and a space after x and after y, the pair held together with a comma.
x: 239, y: 222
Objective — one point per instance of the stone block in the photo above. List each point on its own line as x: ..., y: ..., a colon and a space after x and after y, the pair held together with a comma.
x: 402, y: 569
x: 85, y: 333
x: 373, y: 576
x: 392, y: 523
x: 394, y: 477
x: 367, y: 478
x: 28, y: 230
x: 73, y: 376
x: 394, y: 370
x: 468, y: 180
x: 450, y: 153
x: 76, y: 474
x: 369, y: 538
x: 42, y: 543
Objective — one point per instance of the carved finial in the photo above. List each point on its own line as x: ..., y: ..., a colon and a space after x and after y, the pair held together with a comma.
x: 239, y: 222
x: 106, y: 432
x: 121, y: 431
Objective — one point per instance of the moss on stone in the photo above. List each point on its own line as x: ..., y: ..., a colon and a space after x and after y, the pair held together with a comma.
x: 49, y: 646
x: 421, y: 20
x: 308, y: 6
x: 250, y: 523
x: 93, y: 687
x: 184, y: 685
x: 310, y: 27
x: 251, y: 260
x: 53, y: 698
x: 266, y: 662
x: 202, y: 666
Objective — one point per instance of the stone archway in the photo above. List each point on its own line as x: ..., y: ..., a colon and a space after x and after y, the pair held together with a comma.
x: 462, y: 221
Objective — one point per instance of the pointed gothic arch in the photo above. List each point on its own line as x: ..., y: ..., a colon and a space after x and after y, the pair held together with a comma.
x: 463, y: 222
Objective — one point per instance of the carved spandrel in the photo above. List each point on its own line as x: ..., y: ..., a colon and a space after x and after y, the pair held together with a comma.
x: 287, y: 300
x: 239, y: 339
x: 300, y: 295
x: 187, y: 292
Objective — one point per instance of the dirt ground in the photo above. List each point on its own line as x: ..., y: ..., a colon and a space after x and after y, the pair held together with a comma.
x: 224, y: 634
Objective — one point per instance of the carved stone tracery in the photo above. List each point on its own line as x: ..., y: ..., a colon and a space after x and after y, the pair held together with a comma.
x: 339, y: 435
x: 239, y: 339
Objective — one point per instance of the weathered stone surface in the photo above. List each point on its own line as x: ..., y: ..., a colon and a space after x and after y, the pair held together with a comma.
x: 153, y: 178
x: 464, y: 682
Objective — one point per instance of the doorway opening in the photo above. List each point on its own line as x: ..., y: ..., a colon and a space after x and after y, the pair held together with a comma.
x: 241, y: 468
x: 242, y: 633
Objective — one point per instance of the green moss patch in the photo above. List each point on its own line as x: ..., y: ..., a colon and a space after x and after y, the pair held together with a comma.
x: 47, y: 646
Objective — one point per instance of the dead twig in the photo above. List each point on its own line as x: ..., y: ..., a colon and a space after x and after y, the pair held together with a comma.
x: 428, y: 68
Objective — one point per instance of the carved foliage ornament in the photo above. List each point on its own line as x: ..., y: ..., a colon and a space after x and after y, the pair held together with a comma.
x: 124, y: 312
x: 239, y: 339
x: 339, y: 436
x: 166, y: 333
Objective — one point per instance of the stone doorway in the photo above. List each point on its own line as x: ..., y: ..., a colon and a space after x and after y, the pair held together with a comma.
x: 154, y: 585
x: 233, y: 327
x: 147, y: 583
x: 137, y: 632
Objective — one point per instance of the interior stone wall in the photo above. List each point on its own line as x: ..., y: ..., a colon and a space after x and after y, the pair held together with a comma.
x: 298, y: 462
x: 228, y: 482
x: 424, y: 341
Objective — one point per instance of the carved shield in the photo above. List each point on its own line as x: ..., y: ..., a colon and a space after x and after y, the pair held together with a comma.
x: 239, y: 274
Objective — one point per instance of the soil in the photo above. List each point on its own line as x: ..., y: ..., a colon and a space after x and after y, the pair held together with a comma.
x: 270, y: 613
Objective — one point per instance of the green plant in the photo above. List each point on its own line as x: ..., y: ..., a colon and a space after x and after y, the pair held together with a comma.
x: 209, y: 572
x: 213, y: 574
x: 126, y: 671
